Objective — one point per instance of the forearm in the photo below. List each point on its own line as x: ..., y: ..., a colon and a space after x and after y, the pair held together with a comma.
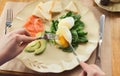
x: 10, y: 44
x: 3, y: 59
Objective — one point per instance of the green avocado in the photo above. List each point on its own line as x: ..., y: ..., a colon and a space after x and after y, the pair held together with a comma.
x: 39, y: 34
x: 33, y: 46
x: 42, y: 47
x: 33, y: 43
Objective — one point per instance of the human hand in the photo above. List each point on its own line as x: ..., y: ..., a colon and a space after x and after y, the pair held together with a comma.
x: 13, y: 43
x: 91, y: 70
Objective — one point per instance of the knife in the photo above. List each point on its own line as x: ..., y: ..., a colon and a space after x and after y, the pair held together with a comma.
x: 101, y: 33
x: 74, y: 53
x: 77, y: 58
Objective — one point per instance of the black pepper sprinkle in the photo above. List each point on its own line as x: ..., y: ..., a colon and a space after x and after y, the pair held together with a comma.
x: 104, y: 2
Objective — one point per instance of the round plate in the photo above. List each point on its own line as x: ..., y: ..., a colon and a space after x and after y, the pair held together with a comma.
x: 53, y: 59
x: 113, y: 7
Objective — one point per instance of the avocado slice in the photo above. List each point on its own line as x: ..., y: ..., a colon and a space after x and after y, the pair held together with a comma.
x: 42, y: 48
x: 33, y: 43
x: 39, y: 34
x: 33, y: 46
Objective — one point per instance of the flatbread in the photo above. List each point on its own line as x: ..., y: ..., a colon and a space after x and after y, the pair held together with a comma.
x: 53, y: 59
x: 113, y: 7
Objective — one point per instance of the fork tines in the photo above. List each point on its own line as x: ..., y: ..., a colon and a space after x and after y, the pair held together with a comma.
x: 9, y: 19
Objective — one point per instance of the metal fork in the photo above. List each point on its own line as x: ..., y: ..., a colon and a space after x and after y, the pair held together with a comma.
x: 54, y: 36
x: 48, y: 36
x: 9, y: 19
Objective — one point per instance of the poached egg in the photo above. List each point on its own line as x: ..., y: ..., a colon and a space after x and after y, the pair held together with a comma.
x: 63, y: 32
x: 68, y: 22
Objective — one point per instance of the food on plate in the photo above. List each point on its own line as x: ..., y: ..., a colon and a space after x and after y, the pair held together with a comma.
x: 63, y: 31
x: 53, y: 58
x: 34, y: 25
x: 46, y: 5
x: 36, y: 11
x: 42, y: 47
x: 70, y: 30
x: 71, y: 7
x: 42, y: 11
x: 64, y: 36
x: 56, y: 7
x: 46, y: 9
x: 68, y: 22
x: 37, y: 46
x: 31, y: 47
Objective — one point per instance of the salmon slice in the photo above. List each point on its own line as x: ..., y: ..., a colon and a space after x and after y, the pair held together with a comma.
x: 39, y: 28
x: 34, y: 25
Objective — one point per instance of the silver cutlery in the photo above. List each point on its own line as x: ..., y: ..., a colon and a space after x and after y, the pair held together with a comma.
x: 74, y: 53
x: 9, y: 19
x: 54, y: 36
x: 101, y: 33
x: 48, y: 36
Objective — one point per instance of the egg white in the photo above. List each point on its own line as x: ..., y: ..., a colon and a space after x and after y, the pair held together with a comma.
x: 68, y: 22
x: 65, y: 32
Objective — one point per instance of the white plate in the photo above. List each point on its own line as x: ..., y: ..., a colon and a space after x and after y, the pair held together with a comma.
x: 113, y: 7
x: 53, y: 59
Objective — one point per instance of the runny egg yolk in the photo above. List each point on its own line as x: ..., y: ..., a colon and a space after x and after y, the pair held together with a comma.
x: 64, y: 36
x: 63, y: 41
x: 63, y: 31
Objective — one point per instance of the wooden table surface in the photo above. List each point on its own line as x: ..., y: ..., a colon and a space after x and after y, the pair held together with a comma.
x: 114, y: 22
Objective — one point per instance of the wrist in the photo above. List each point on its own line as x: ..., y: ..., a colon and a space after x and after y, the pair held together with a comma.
x: 2, y: 58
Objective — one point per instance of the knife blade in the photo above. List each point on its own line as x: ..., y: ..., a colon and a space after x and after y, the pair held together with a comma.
x: 77, y: 58
x: 74, y: 53
x: 101, y: 34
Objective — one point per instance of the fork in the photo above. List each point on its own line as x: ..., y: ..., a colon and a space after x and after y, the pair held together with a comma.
x: 48, y: 36
x: 9, y: 19
x: 54, y: 36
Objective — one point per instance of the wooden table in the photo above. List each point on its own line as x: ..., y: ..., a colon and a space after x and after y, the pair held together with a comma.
x: 113, y: 20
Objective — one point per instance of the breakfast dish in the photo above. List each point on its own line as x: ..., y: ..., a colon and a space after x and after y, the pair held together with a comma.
x: 44, y: 56
x: 109, y: 5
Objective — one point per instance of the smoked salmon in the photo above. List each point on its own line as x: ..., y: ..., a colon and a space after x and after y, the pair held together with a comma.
x: 34, y: 25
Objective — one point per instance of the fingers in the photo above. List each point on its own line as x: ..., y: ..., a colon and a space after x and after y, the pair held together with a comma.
x: 22, y: 47
x: 91, y: 70
x: 20, y: 36
x: 20, y: 31
x: 85, y: 66
x: 98, y: 69
x: 26, y: 38
x: 21, y: 39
